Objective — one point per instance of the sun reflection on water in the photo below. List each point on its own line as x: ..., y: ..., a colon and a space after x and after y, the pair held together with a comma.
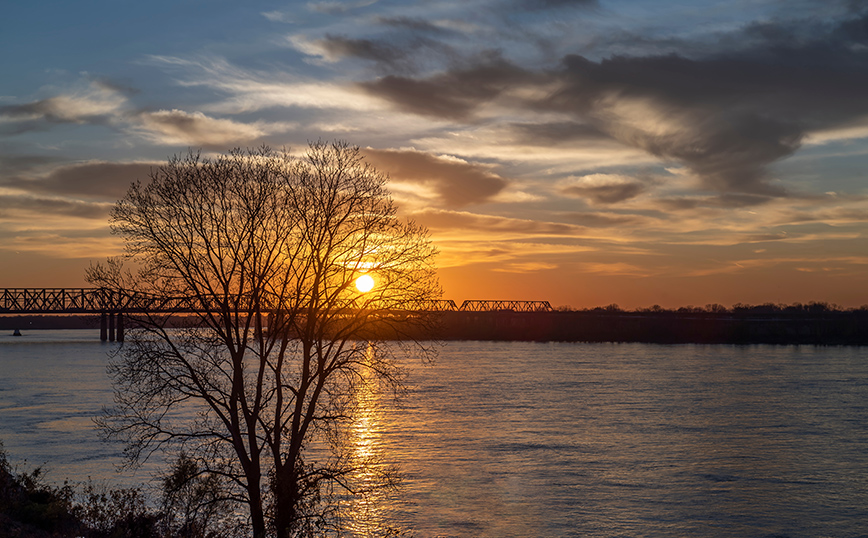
x: 373, y: 478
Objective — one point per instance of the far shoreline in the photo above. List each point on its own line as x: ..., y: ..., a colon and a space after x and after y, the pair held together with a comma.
x: 813, y: 324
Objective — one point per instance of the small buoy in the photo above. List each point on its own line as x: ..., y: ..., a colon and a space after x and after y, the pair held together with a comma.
x: 16, y: 333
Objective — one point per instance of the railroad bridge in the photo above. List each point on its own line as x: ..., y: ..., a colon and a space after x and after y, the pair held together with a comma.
x: 112, y: 304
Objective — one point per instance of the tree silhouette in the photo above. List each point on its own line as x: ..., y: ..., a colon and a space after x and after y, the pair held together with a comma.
x: 264, y: 249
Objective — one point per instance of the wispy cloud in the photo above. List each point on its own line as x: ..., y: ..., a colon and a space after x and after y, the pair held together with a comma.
x: 103, y: 103
x: 95, y: 103
x: 455, y: 182
x: 251, y: 91
x: 176, y: 127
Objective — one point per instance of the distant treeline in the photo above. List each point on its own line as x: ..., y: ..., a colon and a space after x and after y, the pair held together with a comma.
x: 10, y: 323
x: 812, y: 308
x: 811, y: 323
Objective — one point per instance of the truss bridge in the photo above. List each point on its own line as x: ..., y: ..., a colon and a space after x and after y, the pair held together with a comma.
x: 112, y: 304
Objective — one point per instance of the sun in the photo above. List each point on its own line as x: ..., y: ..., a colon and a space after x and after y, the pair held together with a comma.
x: 365, y: 283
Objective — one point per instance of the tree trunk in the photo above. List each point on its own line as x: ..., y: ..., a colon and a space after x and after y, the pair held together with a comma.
x: 257, y: 515
x: 286, y: 495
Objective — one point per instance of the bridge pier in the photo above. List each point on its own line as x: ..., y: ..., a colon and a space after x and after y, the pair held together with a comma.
x: 111, y: 329
x: 120, y: 331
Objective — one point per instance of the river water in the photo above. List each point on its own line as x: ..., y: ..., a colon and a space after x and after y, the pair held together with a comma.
x: 501, y: 439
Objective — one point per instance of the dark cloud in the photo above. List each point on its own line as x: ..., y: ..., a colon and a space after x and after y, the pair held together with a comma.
x: 599, y: 220
x: 453, y: 94
x: 44, y: 107
x: 108, y: 181
x: 741, y: 110
x: 556, y: 133
x: 457, y: 183
x: 366, y: 49
x: 721, y: 201
x: 407, y: 46
x: 726, y: 115
x: 722, y: 126
x: 14, y: 128
x: 414, y: 25
x: 37, y: 207
x: 605, y: 194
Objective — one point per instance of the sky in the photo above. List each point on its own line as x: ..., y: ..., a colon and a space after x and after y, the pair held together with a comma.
x: 582, y: 152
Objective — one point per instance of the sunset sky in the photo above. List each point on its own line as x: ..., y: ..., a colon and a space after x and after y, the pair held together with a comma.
x: 583, y: 152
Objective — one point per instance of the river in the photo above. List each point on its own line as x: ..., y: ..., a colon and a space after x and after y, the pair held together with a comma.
x: 499, y: 439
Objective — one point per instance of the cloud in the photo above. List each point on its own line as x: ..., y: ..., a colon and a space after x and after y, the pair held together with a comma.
x: 466, y: 223
x: 677, y: 109
x: 332, y: 7
x: 97, y: 103
x: 524, y: 267
x: 720, y: 201
x: 251, y: 91
x: 747, y: 99
x: 105, y: 103
x: 557, y: 133
x: 336, y: 47
x: 279, y: 16
x: 13, y: 164
x: 397, y: 52
x: 615, y: 269
x: 457, y: 183
x: 763, y: 238
x: 603, y: 188
x: 100, y: 180
x: 453, y: 94
x: 68, y: 243
x: 417, y: 25
x: 177, y: 127
x: 32, y: 207
x: 601, y: 220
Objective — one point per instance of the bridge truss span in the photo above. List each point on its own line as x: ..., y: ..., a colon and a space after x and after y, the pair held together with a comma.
x: 501, y: 306
x: 102, y: 300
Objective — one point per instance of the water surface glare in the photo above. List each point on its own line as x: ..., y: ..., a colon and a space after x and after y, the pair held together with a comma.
x: 552, y: 440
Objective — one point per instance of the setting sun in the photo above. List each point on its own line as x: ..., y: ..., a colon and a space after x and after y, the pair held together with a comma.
x: 365, y: 283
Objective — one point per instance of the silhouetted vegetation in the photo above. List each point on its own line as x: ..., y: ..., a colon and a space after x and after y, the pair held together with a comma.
x: 188, y: 508
x: 811, y: 323
x: 244, y: 241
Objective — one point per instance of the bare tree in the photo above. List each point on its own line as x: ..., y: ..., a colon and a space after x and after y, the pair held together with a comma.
x: 253, y: 239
